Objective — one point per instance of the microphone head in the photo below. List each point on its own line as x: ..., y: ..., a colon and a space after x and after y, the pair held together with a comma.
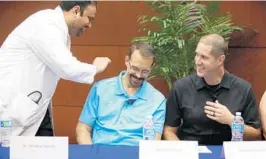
x: 214, y: 97
x: 131, y: 101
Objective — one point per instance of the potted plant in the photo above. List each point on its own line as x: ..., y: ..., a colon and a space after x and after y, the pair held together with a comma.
x: 174, y: 32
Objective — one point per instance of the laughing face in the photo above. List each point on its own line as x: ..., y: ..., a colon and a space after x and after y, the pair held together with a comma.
x: 138, y: 68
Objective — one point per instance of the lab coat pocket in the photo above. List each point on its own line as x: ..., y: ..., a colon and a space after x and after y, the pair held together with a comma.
x: 22, y: 110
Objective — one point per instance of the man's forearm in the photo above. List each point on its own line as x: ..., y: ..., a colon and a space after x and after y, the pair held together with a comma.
x: 251, y: 133
x: 84, y: 138
x: 170, y: 136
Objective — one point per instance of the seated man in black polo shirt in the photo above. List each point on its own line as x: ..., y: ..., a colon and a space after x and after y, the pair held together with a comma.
x: 202, y: 106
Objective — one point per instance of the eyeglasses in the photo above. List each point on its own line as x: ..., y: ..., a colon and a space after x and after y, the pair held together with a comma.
x: 144, y: 72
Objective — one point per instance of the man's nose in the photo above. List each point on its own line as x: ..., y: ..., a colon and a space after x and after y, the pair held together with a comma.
x: 138, y: 74
x: 88, y: 25
x: 197, y: 61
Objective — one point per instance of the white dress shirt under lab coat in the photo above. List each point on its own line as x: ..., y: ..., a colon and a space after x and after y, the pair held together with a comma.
x: 33, y: 58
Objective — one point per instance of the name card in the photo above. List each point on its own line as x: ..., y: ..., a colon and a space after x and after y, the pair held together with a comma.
x: 204, y: 149
x: 159, y: 149
x: 28, y: 147
x: 245, y: 150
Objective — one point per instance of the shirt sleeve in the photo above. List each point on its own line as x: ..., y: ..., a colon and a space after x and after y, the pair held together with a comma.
x: 250, y: 112
x: 173, y: 112
x: 48, y: 42
x: 89, y: 112
x: 159, y: 117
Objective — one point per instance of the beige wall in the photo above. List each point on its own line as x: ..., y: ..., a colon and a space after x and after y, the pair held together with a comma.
x: 115, y: 25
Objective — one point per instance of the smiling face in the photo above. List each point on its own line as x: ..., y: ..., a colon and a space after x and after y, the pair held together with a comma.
x: 81, y: 20
x: 138, y: 68
x: 206, y: 62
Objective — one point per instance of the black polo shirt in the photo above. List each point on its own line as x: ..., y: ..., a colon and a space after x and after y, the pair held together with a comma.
x: 186, y: 101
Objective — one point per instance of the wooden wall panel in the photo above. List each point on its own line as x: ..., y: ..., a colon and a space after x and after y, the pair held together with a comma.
x: 250, y: 15
x: 111, y: 26
x: 13, y: 13
x: 250, y: 64
x: 115, y: 24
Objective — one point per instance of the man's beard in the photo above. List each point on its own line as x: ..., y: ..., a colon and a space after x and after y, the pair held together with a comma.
x: 132, y: 75
x: 137, y: 83
x: 79, y: 32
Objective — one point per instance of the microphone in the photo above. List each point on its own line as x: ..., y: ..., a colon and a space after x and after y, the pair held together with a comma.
x: 131, y: 101
x: 214, y: 97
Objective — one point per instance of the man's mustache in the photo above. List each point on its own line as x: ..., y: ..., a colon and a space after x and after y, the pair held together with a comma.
x: 137, y: 77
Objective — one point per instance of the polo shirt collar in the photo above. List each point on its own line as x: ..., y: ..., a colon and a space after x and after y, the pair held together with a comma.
x: 225, y: 83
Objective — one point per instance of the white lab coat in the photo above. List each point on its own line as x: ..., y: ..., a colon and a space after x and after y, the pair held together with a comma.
x: 33, y: 58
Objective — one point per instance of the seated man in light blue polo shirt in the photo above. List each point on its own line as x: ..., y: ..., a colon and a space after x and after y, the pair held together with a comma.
x: 116, y: 108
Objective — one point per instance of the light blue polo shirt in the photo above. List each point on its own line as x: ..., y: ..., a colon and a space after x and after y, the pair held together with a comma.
x: 117, y: 118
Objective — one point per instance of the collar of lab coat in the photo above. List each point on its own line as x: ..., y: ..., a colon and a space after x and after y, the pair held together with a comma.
x: 62, y: 20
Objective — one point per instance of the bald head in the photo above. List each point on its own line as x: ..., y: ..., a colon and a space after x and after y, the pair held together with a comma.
x: 217, y: 42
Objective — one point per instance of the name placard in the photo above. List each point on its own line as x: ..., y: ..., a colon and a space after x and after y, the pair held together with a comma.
x: 159, y: 149
x: 245, y: 150
x: 29, y: 147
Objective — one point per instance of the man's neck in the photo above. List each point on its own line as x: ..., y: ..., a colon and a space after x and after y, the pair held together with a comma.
x: 67, y: 18
x: 215, y: 78
x: 127, y: 86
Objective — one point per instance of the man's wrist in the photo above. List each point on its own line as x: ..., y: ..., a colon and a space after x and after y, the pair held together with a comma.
x: 231, y: 120
x: 96, y: 69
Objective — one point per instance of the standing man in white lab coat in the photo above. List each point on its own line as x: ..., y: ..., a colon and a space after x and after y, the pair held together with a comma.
x: 33, y: 58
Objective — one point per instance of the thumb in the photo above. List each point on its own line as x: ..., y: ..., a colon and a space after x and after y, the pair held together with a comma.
x: 217, y: 102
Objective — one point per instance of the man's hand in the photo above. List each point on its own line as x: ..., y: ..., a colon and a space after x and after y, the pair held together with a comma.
x: 218, y: 112
x: 101, y: 63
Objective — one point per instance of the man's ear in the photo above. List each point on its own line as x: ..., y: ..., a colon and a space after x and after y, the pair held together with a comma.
x: 221, y: 59
x: 127, y: 58
x: 76, y: 11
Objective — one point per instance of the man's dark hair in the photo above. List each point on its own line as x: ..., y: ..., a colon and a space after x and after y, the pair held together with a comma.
x: 67, y: 5
x: 144, y: 48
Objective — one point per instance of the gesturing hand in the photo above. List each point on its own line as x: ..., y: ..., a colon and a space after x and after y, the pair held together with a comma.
x: 218, y: 112
x: 101, y: 63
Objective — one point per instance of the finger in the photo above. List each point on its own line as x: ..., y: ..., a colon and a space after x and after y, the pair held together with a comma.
x: 212, y: 117
x: 210, y: 108
x: 208, y: 112
x: 210, y: 103
x: 213, y: 109
x: 216, y: 105
x: 217, y: 114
